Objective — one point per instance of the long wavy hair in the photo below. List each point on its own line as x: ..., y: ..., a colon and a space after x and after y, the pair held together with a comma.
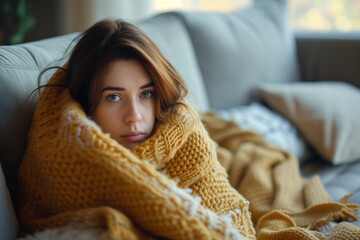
x: 110, y: 40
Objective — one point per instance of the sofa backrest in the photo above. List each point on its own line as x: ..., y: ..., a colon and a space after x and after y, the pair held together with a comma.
x: 238, y: 51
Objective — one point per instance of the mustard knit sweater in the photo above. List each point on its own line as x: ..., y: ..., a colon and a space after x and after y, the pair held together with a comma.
x: 170, y: 186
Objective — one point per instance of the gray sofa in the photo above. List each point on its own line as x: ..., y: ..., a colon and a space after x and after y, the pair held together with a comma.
x: 225, y: 59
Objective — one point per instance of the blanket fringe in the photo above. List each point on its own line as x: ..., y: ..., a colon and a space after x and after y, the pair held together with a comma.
x: 346, y: 213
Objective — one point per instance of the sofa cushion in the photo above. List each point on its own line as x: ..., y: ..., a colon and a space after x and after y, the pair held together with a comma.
x: 237, y: 51
x: 8, y: 223
x: 326, y: 113
x: 170, y: 35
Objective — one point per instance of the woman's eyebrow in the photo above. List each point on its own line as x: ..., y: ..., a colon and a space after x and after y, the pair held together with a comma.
x: 113, y: 89
x: 123, y: 89
x: 147, y: 85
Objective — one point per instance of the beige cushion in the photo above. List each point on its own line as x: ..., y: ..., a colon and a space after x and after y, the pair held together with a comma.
x: 326, y: 113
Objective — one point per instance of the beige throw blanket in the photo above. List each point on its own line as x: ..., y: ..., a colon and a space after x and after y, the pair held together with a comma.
x: 283, y: 204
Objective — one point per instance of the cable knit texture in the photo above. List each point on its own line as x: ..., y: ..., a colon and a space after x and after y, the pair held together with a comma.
x: 283, y: 204
x: 170, y: 186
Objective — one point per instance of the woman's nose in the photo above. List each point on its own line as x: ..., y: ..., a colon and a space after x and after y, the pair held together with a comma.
x: 133, y: 114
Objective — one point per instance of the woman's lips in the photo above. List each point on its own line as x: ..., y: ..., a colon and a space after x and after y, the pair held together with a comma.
x: 134, y: 137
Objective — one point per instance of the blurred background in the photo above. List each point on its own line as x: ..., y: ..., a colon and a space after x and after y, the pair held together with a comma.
x: 29, y: 20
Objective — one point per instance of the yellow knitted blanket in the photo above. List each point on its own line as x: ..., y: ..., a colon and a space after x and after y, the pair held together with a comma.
x: 283, y: 204
x: 74, y: 173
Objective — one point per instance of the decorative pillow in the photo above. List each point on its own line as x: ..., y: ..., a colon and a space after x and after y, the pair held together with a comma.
x: 274, y: 128
x: 326, y: 113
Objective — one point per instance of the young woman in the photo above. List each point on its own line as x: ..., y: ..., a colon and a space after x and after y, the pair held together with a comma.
x: 113, y: 145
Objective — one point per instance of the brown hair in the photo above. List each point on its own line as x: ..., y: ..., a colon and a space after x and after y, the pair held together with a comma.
x: 109, y: 40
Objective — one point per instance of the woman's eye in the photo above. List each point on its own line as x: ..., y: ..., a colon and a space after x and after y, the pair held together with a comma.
x: 113, y: 98
x: 146, y: 94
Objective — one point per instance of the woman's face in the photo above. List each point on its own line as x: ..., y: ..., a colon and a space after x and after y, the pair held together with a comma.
x: 127, y: 106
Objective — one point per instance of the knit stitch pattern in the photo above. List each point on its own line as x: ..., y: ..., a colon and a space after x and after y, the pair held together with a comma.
x: 170, y: 186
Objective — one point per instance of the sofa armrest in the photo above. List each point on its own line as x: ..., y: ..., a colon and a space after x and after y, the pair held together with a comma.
x: 329, y: 56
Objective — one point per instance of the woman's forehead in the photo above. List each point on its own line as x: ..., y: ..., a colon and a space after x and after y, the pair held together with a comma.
x: 124, y: 72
